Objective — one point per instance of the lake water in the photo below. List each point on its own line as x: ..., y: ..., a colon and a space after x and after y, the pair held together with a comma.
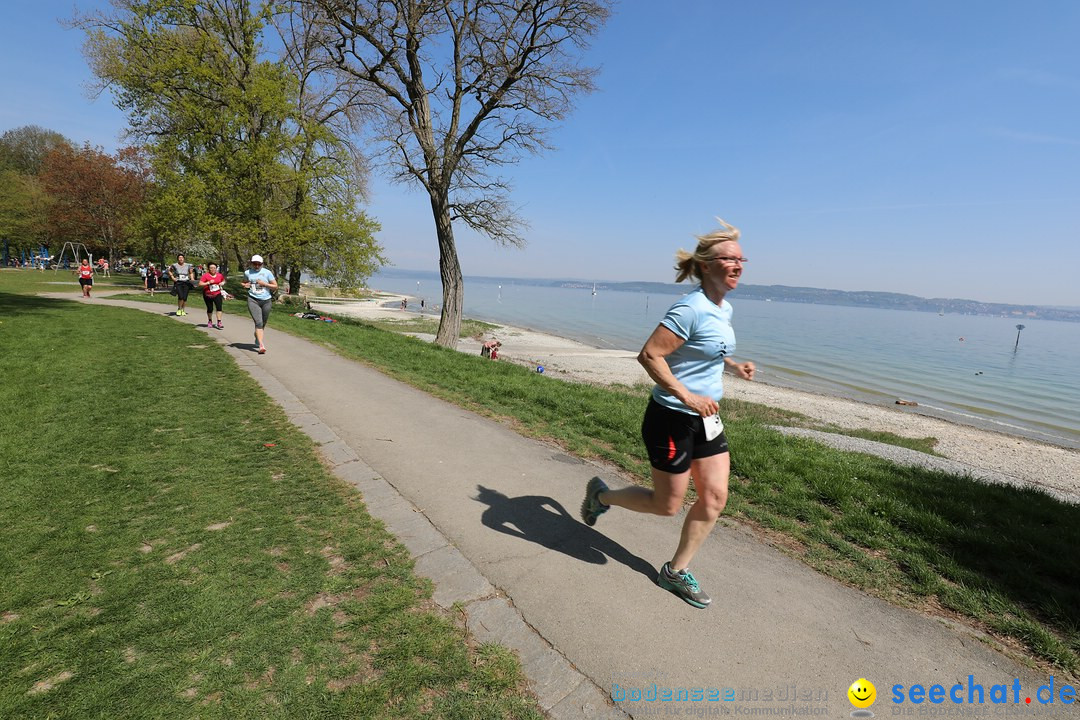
x: 960, y: 367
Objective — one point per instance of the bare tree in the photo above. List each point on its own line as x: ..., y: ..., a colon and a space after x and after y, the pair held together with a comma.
x: 466, y: 86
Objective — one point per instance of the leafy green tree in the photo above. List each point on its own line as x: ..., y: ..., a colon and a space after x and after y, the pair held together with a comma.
x: 23, y: 207
x: 225, y: 119
x: 170, y: 221
x: 23, y: 201
x: 24, y: 149
x: 464, y: 87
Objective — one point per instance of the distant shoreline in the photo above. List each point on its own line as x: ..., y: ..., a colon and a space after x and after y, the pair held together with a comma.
x: 795, y: 294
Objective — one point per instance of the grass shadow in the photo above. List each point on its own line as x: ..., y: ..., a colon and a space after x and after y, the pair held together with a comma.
x: 13, y: 304
x: 1003, y: 555
x: 1017, y: 542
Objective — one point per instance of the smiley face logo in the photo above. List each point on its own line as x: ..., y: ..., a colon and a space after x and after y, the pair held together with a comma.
x: 862, y: 693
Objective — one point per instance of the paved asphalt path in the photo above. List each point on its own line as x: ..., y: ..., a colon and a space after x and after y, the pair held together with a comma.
x: 779, y: 638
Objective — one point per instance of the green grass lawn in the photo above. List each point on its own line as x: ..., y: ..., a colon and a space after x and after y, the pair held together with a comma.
x: 171, y: 546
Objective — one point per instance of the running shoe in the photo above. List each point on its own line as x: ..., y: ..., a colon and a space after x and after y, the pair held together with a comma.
x: 591, y: 507
x: 683, y: 584
x: 262, y: 350
x: 220, y: 326
x: 180, y: 312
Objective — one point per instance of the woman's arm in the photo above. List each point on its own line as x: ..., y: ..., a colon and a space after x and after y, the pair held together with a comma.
x: 653, y: 357
x: 745, y: 370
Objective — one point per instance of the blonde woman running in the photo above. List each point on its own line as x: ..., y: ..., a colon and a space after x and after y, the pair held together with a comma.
x: 686, y: 356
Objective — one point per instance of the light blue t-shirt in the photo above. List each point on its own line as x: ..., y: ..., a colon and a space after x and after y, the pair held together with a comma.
x: 259, y: 293
x: 709, y: 338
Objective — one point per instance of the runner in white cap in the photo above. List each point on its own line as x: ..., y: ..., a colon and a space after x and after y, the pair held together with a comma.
x: 259, y: 282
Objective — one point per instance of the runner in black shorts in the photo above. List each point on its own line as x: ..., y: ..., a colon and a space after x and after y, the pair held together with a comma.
x: 85, y: 273
x: 682, y: 431
x: 180, y: 273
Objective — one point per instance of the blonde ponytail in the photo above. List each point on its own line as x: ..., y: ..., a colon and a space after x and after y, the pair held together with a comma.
x: 688, y: 265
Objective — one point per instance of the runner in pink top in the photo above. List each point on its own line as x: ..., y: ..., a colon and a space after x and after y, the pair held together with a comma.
x: 212, y: 282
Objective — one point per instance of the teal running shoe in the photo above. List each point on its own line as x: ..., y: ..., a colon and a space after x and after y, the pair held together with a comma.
x: 684, y: 585
x: 591, y: 507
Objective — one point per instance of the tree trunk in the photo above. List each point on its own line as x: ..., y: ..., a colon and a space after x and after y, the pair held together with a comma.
x: 453, y: 291
x: 294, y: 280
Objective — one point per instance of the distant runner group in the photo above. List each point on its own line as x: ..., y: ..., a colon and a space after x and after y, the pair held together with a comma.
x: 259, y: 282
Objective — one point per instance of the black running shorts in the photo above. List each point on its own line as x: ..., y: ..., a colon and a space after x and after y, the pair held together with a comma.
x: 674, y: 438
x: 182, y: 289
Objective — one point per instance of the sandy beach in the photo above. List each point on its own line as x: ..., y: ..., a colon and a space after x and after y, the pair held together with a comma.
x: 1024, y: 460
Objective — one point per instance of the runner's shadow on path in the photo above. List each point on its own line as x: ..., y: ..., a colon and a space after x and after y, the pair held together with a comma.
x: 544, y: 521
x: 251, y: 347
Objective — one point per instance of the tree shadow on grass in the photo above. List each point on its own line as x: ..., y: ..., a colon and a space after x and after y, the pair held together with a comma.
x: 1019, y: 542
x: 1002, y: 554
x: 19, y: 304
x: 1006, y: 555
x: 544, y: 521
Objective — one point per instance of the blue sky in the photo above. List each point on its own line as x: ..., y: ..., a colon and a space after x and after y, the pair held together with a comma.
x: 921, y: 147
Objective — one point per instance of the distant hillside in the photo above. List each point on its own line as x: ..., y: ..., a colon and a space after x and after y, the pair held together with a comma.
x: 786, y: 293
x: 867, y: 298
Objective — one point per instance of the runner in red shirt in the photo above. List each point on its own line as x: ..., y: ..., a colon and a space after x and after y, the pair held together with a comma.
x: 86, y: 276
x: 212, y: 282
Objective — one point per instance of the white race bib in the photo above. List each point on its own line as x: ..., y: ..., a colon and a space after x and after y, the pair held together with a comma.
x: 215, y: 288
x: 183, y: 277
x: 713, y: 426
